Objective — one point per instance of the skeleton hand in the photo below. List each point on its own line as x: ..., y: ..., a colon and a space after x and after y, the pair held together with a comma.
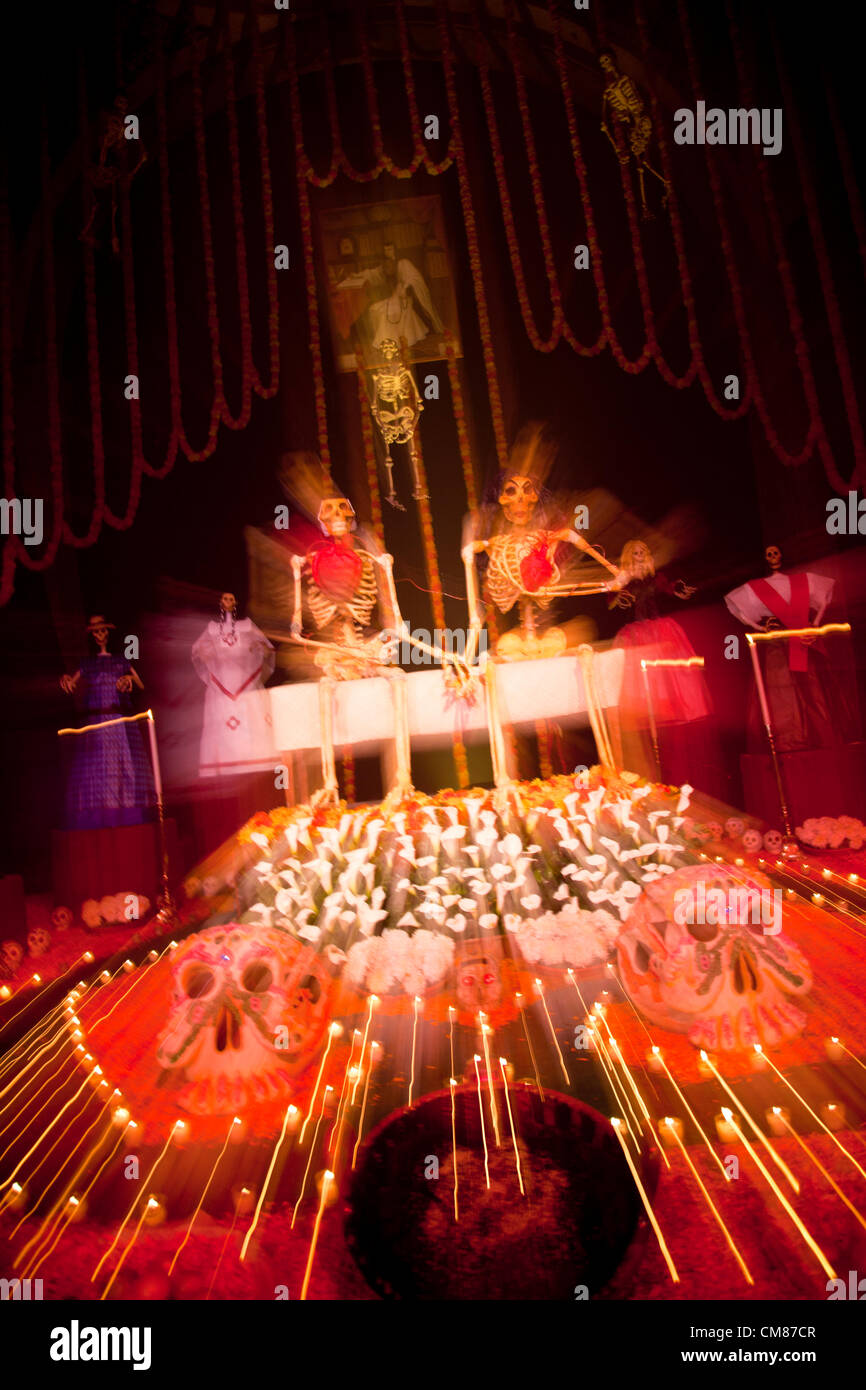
x: 124, y: 684
x: 295, y: 629
x: 683, y: 590
x: 68, y: 684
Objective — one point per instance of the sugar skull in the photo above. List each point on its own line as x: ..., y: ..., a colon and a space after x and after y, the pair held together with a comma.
x: 702, y: 954
x: 479, y: 984
x: 248, y: 1011
x: 39, y: 941
x: 715, y: 829
x: 61, y: 919
x: 752, y: 840
x: 734, y: 827
x: 773, y: 556
x: 11, y: 956
x: 773, y: 842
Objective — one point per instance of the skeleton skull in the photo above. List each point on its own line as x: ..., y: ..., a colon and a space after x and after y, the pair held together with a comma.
x: 39, y: 941
x: 518, y: 499
x: 479, y: 978
x: 11, y: 956
x: 734, y: 827
x: 336, y: 516
x: 773, y: 556
x: 248, y: 1011
x: 723, y: 983
x: 752, y: 840
x: 61, y: 919
x: 714, y: 829
x: 389, y: 349
x: 773, y: 842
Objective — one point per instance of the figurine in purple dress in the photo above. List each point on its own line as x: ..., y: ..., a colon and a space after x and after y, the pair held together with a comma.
x: 110, y: 781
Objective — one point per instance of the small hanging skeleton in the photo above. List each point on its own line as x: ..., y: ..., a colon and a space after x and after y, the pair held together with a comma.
x: 105, y: 176
x: 623, y: 105
x: 396, y: 407
x: 521, y: 548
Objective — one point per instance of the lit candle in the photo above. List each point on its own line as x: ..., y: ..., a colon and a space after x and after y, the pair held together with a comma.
x: 833, y: 1115
x: 778, y: 1120
x: 834, y: 1049
x: 671, y: 1130
x: 725, y: 1131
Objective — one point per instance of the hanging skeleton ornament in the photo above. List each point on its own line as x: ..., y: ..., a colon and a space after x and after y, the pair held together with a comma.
x: 702, y: 954
x: 248, y: 1013
x: 623, y: 108
x: 521, y: 545
x: 105, y: 176
x: 396, y: 407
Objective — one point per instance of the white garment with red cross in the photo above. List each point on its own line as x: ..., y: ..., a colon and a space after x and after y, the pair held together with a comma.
x: 234, y: 661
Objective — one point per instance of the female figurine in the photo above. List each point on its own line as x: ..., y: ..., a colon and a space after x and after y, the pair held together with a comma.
x: 110, y: 779
x: 234, y: 659
x: 679, y: 693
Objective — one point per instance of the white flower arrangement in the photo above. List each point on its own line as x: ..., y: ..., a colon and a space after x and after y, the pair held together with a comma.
x: 829, y: 832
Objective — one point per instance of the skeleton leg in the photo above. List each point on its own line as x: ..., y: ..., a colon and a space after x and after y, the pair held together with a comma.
x: 329, y: 792
x: 392, y: 496
x: 417, y: 492
x: 402, y: 784
x: 494, y: 723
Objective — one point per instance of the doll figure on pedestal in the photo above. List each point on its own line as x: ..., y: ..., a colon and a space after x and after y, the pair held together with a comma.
x: 110, y: 780
x: 808, y: 708
x: 233, y: 659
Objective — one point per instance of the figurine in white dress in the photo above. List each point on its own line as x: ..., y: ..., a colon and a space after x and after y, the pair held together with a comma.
x: 234, y: 659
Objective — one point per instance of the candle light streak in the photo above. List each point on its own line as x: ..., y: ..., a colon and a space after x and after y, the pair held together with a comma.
x: 754, y: 1127
x: 451, y: 1086
x: 672, y: 1130
x: 55, y: 1082
x: 813, y: 1158
x: 452, y: 1014
x: 46, y: 1131
x: 364, y: 1101
x: 326, y: 1183
x: 817, y: 1118
x: 291, y: 1111
x: 692, y: 1116
x: 540, y: 987
x: 150, y: 1205
x: 780, y: 1196
x: 494, y: 1110
x: 520, y: 1002
x: 352, y: 1072
x: 200, y: 1202
x: 668, y: 1258
x: 640, y: 1100
x: 616, y: 1085
x: 310, y: 1156
x: 82, y: 1167
x: 371, y: 1004
x: 334, y: 1031
x: 416, y: 1010
x: 61, y: 1225
x: 161, y: 1155
x: 476, y: 1059
x: 502, y: 1066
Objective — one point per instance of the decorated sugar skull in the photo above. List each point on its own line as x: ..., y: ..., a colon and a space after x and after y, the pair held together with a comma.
x: 703, y: 954
x: 734, y: 827
x: 61, y: 919
x: 479, y: 977
x: 519, y: 498
x: 752, y: 840
x: 773, y: 842
x: 39, y: 941
x: 773, y: 556
x: 336, y: 516
x: 248, y: 1011
x: 11, y: 956
x: 715, y: 829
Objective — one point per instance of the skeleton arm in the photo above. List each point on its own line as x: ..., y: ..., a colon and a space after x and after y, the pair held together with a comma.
x: 386, y: 563
x: 575, y: 539
x: 476, y: 612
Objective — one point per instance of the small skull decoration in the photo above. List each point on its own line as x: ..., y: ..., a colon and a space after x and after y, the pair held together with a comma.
x: 773, y: 556
x: 715, y: 829
x: 773, y: 842
x: 62, y: 919
x: 11, y: 956
x: 699, y: 956
x: 752, y: 840
x: 734, y: 827
x: 248, y: 1013
x: 39, y: 941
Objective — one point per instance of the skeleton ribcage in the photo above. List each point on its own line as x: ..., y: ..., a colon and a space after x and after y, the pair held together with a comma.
x: 504, y: 580
x: 358, y: 608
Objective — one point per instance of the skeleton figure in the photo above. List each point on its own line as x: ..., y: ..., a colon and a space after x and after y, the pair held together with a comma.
x: 107, y: 173
x: 715, y: 967
x: 248, y: 1013
x: 396, y: 407
x: 623, y: 106
x: 520, y: 541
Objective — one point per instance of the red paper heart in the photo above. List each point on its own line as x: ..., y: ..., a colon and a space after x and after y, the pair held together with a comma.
x: 336, y: 570
x: 536, y: 569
